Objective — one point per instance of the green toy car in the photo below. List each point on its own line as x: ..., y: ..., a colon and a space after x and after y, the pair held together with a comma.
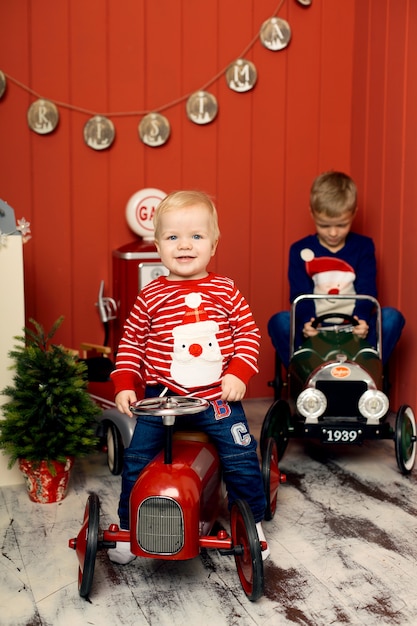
x: 334, y: 391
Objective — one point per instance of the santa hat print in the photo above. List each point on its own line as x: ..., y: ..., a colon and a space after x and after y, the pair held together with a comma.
x: 324, y: 264
x: 195, y: 321
x: 327, y: 271
x: 195, y: 314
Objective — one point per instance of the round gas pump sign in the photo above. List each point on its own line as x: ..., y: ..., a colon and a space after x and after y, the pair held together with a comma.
x: 140, y: 209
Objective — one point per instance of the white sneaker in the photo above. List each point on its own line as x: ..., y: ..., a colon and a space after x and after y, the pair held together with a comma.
x: 121, y: 553
x: 261, y: 535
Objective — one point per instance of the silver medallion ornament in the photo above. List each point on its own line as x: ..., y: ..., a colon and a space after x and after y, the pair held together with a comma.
x: 275, y: 34
x: 154, y: 130
x: 99, y: 133
x: 2, y: 84
x: 201, y: 107
x: 241, y: 75
x: 43, y: 117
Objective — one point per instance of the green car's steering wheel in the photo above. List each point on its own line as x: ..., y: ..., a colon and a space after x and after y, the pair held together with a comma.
x: 345, y: 320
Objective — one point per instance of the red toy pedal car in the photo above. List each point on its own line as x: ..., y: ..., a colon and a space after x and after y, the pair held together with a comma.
x: 175, y: 504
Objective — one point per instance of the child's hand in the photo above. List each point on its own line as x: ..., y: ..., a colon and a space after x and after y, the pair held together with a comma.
x: 123, y: 401
x: 361, y: 330
x: 308, y: 330
x: 233, y: 389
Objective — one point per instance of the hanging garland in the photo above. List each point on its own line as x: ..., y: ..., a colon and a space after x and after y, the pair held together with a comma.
x: 154, y: 128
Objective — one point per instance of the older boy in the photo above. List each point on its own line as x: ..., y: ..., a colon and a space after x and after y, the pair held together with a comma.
x: 334, y: 261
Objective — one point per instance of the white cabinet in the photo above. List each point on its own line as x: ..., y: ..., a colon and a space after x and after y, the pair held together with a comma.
x: 12, y: 321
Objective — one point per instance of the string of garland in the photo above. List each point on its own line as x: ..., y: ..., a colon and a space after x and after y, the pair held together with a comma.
x: 139, y: 113
x: 154, y: 128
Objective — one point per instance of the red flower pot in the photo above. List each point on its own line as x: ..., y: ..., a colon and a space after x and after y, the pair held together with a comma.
x: 43, y: 485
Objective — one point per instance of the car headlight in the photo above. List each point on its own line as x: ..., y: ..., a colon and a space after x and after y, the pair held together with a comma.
x: 311, y: 403
x: 373, y: 404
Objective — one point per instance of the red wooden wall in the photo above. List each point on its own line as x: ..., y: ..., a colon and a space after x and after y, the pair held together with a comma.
x: 384, y: 160
x: 329, y: 100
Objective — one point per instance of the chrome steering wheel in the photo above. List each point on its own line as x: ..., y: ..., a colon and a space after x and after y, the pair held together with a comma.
x: 170, y: 405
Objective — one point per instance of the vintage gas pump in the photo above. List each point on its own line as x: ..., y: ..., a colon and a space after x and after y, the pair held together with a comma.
x: 137, y: 263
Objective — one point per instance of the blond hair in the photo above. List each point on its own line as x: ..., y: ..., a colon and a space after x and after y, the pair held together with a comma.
x: 333, y: 193
x: 183, y: 200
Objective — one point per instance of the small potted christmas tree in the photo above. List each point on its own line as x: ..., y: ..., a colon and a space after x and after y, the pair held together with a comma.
x: 49, y: 417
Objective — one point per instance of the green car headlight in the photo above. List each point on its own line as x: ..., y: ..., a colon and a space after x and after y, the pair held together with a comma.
x: 373, y: 404
x: 311, y: 403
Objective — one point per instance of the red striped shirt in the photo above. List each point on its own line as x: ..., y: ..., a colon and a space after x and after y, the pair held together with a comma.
x: 146, y: 352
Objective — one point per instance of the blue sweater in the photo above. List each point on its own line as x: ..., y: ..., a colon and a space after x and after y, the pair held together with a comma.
x: 358, y: 252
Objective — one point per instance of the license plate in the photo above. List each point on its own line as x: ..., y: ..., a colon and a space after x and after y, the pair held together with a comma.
x: 341, y: 435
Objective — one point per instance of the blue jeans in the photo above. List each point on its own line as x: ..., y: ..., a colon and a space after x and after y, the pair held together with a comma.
x: 392, y: 323
x: 227, y: 426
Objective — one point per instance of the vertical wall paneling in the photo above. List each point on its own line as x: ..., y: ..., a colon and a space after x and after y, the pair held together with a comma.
x: 51, y: 187
x: 305, y: 80
x: 392, y: 182
x: 199, y: 64
x: 373, y: 220
x: 335, y: 91
x: 16, y: 163
x: 89, y: 54
x: 360, y: 105
x: 341, y: 95
x: 234, y: 127
x: 270, y: 209
x: 384, y: 160
x: 163, y: 70
x: 405, y: 380
x: 126, y: 36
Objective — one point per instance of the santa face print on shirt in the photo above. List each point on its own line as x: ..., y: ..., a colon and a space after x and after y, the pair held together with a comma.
x: 196, y: 359
x: 331, y: 276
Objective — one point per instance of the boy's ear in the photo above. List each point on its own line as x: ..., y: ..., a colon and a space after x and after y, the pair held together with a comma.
x: 214, y: 247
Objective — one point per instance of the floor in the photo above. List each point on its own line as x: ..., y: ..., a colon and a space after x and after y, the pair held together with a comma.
x: 343, y: 551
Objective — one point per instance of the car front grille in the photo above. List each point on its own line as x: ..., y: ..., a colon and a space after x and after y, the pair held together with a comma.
x: 342, y: 397
x: 160, y: 526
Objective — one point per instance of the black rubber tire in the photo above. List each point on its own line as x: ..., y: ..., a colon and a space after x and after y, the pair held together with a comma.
x: 276, y: 424
x: 115, y: 450
x: 271, y: 477
x: 405, y: 439
x: 92, y: 518
x: 249, y: 562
